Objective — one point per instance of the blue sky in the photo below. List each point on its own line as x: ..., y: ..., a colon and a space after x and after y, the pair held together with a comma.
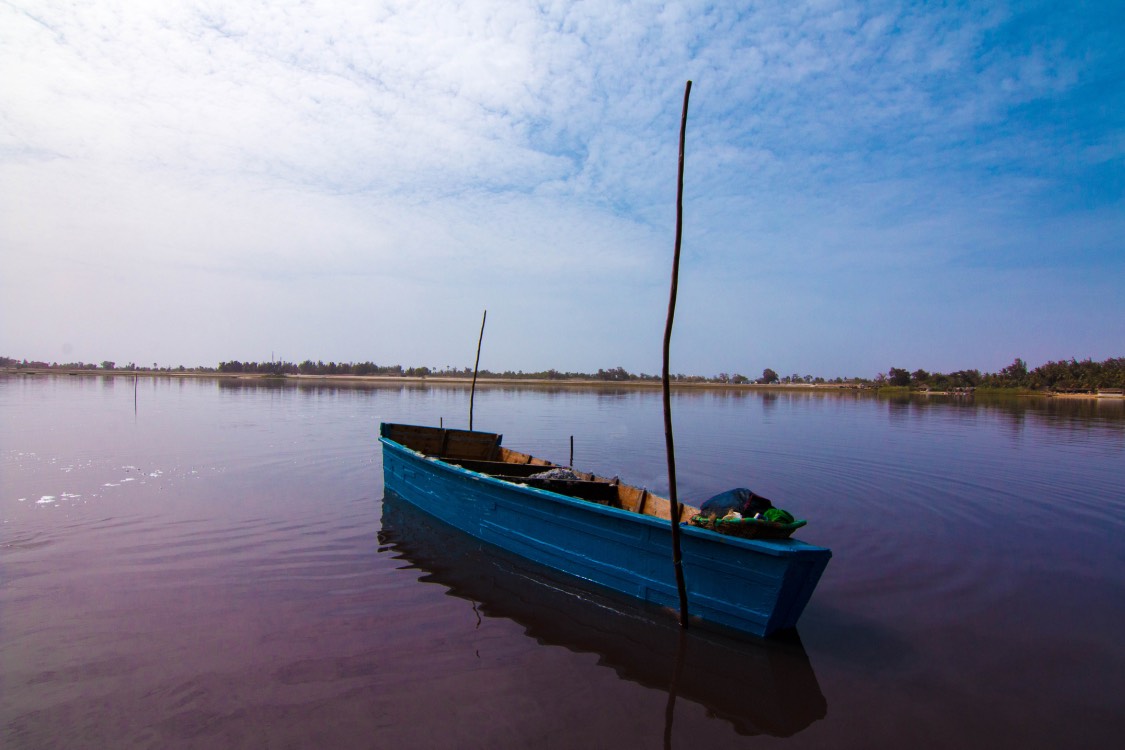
x: 868, y: 184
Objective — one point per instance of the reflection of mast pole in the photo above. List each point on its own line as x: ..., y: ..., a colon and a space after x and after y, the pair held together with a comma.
x: 670, y: 706
x: 676, y: 510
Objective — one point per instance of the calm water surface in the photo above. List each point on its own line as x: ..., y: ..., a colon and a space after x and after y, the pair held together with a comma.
x: 218, y: 567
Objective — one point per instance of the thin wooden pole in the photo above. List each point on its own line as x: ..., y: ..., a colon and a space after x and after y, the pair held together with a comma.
x: 677, y: 559
x: 476, y: 366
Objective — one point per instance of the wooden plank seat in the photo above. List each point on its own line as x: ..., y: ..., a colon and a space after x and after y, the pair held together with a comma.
x: 597, y: 491
x: 586, y: 487
x: 499, y: 467
x: 442, y: 442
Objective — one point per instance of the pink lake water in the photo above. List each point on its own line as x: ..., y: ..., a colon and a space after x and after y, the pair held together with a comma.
x: 218, y: 567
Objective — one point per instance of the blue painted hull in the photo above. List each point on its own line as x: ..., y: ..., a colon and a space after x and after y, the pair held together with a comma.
x: 745, y: 585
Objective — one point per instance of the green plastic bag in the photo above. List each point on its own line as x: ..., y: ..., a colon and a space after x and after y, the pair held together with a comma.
x: 777, y: 515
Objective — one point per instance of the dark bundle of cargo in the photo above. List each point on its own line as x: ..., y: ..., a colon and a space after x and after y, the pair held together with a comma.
x: 744, y: 513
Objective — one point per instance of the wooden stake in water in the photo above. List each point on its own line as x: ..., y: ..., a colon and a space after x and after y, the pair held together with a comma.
x: 677, y: 559
x: 476, y: 366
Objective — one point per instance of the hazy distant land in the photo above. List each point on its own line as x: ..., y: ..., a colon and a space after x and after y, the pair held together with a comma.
x: 1062, y: 378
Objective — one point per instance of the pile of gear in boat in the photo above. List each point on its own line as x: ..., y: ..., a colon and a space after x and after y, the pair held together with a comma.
x: 559, y: 473
x: 742, y: 512
x: 738, y: 512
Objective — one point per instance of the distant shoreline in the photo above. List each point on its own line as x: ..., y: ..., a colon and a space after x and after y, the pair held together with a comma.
x: 466, y: 381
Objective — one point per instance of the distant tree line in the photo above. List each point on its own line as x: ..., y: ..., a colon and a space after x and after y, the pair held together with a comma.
x: 107, y: 365
x: 1063, y: 376
x: 308, y: 367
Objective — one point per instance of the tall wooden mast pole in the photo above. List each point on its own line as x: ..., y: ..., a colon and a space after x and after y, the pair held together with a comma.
x: 476, y: 366
x: 677, y: 559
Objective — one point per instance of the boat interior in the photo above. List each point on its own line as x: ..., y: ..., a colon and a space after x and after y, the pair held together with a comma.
x: 482, y: 452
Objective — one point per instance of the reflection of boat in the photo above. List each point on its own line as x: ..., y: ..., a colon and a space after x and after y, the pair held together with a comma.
x: 600, y: 530
x: 763, y: 687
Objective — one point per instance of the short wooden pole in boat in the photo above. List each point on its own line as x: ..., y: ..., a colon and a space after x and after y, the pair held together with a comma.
x: 571, y: 464
x: 677, y: 559
x: 476, y: 366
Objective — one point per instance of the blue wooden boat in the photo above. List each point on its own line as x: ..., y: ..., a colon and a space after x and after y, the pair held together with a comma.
x: 601, y: 530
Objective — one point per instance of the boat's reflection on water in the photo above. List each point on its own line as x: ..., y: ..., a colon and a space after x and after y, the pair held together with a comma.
x: 760, y: 687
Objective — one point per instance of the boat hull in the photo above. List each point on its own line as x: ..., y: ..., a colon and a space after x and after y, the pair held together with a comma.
x: 748, y: 586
